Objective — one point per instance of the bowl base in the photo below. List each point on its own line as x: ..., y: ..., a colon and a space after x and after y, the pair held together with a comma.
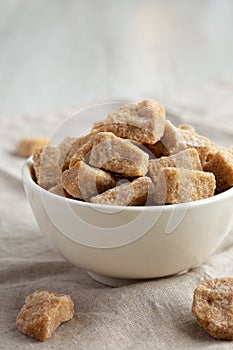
x: 111, y: 281
x: 119, y: 282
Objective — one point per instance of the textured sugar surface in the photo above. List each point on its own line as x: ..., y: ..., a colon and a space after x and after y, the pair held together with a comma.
x: 43, y: 312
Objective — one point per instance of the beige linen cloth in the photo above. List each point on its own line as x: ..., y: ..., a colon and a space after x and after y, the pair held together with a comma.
x: 153, y: 314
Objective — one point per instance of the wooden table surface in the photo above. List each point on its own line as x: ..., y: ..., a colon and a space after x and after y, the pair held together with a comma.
x: 59, y: 54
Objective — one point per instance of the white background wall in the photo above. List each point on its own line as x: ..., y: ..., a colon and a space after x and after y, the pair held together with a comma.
x: 57, y: 54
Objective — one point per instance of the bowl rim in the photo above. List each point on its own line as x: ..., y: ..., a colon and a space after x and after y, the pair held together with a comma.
x: 27, y: 179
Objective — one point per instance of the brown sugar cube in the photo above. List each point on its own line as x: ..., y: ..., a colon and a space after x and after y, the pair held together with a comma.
x: 187, y: 159
x: 172, y: 139
x: 82, y: 153
x: 176, y: 140
x: 46, y: 166
x: 135, y: 193
x: 182, y: 185
x: 48, y: 161
x: 27, y: 146
x: 143, y: 122
x: 204, y: 146
x: 64, y: 147
x: 83, y: 182
x: 118, y: 155
x: 36, y: 161
x: 213, y: 307
x: 58, y: 190
x: 213, y: 149
x: 221, y: 165
x: 75, y: 146
x: 43, y: 312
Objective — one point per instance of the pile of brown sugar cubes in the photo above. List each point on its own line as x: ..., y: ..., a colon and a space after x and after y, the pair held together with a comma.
x: 135, y: 157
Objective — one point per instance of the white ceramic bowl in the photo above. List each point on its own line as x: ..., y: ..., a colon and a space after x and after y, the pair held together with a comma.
x: 133, y: 242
